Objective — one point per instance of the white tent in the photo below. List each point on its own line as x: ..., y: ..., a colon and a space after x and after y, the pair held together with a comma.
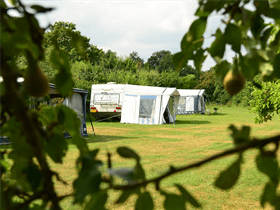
x: 191, y: 101
x: 149, y: 105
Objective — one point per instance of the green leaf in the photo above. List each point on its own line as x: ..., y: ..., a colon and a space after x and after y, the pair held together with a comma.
x: 12, y: 129
x: 124, y: 173
x: 89, y: 179
x: 78, y: 42
x: 2, y: 89
x: 64, y: 83
x: 93, y: 153
x: 199, y: 58
x: 233, y: 37
x: 57, y: 147
x: 222, y: 69
x: 217, y: 48
x: 228, y: 178
x: 33, y: 175
x: 63, y: 80
x: 181, y: 59
x: 72, y: 124
x: 98, y: 200
x: 201, y: 13
x: 3, y: 204
x: 196, y: 29
x: 262, y: 7
x: 3, y: 169
x: 69, y: 118
x: 40, y: 9
x: 240, y: 136
x: 144, y: 202
x: 188, y: 197
x: 126, y: 194
x: 80, y: 142
x: 269, y: 193
x: 257, y: 24
x: 13, y: 2
x: 139, y: 173
x: 248, y: 68
x: 276, y: 65
x: 128, y: 153
x: 274, y: 13
x: 174, y: 202
x: 265, y: 36
x: 269, y: 166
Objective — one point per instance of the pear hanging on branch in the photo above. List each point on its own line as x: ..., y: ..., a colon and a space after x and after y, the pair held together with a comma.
x: 234, y: 81
x: 36, y: 82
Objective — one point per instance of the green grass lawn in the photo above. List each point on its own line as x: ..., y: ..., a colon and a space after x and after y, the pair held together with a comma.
x: 192, y: 138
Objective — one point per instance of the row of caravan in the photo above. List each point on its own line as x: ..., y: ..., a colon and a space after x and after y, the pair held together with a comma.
x: 144, y: 104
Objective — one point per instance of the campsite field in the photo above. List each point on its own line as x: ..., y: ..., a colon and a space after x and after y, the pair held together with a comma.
x: 193, y: 138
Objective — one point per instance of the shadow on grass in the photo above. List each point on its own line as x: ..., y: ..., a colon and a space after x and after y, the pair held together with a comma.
x: 104, y: 138
x: 211, y: 114
x: 180, y: 122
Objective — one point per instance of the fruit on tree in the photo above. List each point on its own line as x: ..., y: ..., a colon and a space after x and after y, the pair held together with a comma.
x: 234, y: 81
x: 36, y: 82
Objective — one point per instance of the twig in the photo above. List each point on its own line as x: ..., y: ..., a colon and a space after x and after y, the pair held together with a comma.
x: 65, y: 196
x: 235, y: 9
x: 27, y: 202
x: 255, y: 143
x: 58, y: 178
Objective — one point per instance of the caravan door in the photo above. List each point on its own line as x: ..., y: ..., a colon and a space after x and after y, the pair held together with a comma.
x: 129, y: 109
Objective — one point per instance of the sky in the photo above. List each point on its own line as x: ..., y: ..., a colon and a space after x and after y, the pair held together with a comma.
x: 127, y: 26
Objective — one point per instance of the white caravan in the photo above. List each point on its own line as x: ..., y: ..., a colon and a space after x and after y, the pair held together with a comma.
x: 191, y: 101
x: 149, y: 105
x: 106, y: 100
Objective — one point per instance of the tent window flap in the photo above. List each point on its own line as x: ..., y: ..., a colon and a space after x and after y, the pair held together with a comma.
x: 147, y: 106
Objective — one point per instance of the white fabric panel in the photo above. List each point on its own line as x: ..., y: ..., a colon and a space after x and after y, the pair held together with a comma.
x: 191, y: 92
x: 76, y: 103
x: 176, y: 102
x: 199, y: 103
x: 190, y: 104
x: 129, y: 109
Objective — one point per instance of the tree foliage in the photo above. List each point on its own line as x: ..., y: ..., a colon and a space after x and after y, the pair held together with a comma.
x: 38, y: 134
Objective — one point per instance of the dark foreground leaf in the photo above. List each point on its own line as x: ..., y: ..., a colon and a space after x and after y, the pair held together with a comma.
x: 229, y: 177
x: 188, y: 197
x: 144, y: 202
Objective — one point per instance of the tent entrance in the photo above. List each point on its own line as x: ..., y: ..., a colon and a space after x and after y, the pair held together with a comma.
x: 169, y: 113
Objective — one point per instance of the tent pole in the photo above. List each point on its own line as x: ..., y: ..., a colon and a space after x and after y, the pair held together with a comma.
x: 91, y: 123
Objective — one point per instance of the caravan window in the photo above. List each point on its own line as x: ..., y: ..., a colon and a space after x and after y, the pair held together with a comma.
x: 147, y: 106
x: 106, y: 98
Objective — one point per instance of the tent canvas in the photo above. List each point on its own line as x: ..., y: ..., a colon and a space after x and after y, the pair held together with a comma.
x: 191, y: 101
x: 149, y: 105
x: 77, y: 102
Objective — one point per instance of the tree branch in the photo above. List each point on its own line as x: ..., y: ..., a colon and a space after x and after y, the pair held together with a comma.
x: 254, y: 143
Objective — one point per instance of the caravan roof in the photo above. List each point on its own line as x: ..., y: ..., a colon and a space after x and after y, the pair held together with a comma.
x: 191, y: 92
x: 137, y: 89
